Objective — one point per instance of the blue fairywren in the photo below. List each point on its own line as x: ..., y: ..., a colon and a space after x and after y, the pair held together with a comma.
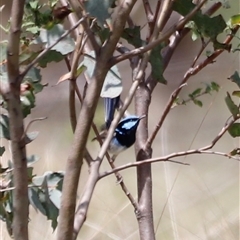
x: 125, y: 134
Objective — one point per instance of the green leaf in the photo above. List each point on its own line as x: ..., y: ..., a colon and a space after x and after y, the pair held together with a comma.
x: 99, y: 9
x: 34, y: 77
x: 28, y: 102
x: 156, y: 62
x: 81, y: 68
x: 30, y: 137
x: 236, y: 93
x: 207, y: 26
x: 34, y: 4
x: 33, y: 158
x: 198, y: 102
x: 51, y: 210
x: 215, y: 86
x: 112, y: 86
x: 133, y: 36
x: 34, y: 199
x: 234, y: 21
x: 196, y: 92
x: 4, y: 127
x: 2, y: 212
x: 50, y: 56
x: 234, y: 152
x: 53, y: 178
x: 234, y: 130
x: 55, y: 196
x: 2, y: 150
x: 233, y: 108
x: 48, y: 37
x: 235, y: 78
x: 33, y: 29
x: 9, y: 223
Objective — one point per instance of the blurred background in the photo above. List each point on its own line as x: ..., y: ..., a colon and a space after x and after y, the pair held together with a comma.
x: 200, y: 201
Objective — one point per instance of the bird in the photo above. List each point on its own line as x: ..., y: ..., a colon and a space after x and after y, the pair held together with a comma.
x: 124, y: 135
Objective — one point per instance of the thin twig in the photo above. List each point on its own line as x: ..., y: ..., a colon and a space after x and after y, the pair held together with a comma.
x: 148, y: 11
x: 166, y: 159
x: 30, y: 123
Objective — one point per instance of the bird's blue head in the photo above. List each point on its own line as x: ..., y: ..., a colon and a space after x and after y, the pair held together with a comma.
x: 125, y: 134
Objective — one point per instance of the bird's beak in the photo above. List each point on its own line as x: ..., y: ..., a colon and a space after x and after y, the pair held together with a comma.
x: 143, y: 116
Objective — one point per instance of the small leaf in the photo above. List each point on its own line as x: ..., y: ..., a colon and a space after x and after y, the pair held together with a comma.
x: 53, y: 178
x: 233, y: 108
x: 234, y: 152
x: 235, y: 78
x: 99, y: 9
x: 234, y: 130
x: 55, y: 196
x: 112, y: 86
x: 196, y: 92
x: 27, y: 102
x: 31, y: 136
x: 234, y: 21
x: 50, y: 56
x: 198, y: 102
x: 34, y: 77
x: 133, y: 36
x: 67, y: 76
x: 156, y: 62
x: 236, y: 93
x: 215, y: 86
x: 34, y: 199
x: 32, y: 159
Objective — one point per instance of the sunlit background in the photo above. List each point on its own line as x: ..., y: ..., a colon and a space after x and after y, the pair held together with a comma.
x: 200, y: 201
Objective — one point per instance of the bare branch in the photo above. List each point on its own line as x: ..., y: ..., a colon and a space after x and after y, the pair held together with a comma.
x: 166, y: 159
